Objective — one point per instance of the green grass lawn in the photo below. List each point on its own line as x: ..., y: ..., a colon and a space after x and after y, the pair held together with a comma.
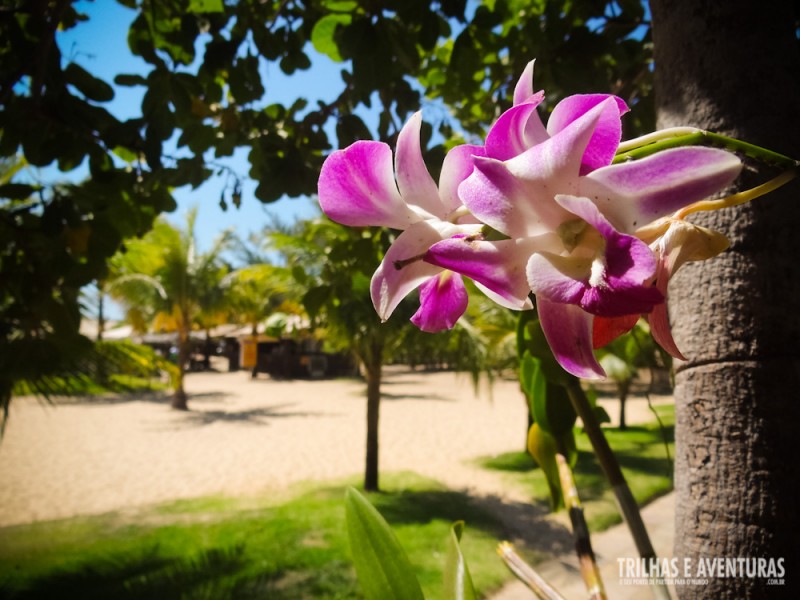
x: 641, y: 452
x: 218, y: 548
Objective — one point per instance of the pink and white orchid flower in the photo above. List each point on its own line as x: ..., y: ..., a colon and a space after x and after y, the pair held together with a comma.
x: 579, y: 227
x: 358, y: 187
x: 565, y: 185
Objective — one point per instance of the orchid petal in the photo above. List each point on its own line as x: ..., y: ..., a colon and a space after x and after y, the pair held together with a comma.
x: 662, y: 332
x: 516, y: 197
x: 524, y: 88
x: 402, y: 269
x: 611, y: 283
x: 568, y: 331
x: 607, y: 134
x: 606, y: 329
x: 417, y: 187
x: 516, y: 130
x: 498, y: 266
x: 635, y: 193
x: 457, y: 166
x: 682, y: 242
x: 442, y: 301
x: 357, y: 188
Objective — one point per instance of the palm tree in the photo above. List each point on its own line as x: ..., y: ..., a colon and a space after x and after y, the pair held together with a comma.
x: 164, y: 276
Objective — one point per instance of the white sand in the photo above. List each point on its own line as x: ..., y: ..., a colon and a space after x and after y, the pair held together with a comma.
x: 244, y: 436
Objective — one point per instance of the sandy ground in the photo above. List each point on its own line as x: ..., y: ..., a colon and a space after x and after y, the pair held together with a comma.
x: 245, y: 436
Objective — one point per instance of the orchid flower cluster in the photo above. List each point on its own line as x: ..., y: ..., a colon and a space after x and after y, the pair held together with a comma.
x: 594, y: 243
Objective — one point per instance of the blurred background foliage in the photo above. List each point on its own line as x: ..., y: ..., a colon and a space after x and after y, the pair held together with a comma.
x: 203, y: 98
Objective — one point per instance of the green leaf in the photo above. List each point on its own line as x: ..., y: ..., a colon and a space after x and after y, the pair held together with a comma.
x: 457, y: 580
x: 543, y: 447
x: 87, y: 84
x: 531, y: 379
x: 126, y: 154
x: 552, y: 410
x: 340, y: 5
x: 17, y: 191
x: 205, y: 6
x: 315, y: 298
x: 323, y: 35
x: 383, y: 568
x: 129, y: 80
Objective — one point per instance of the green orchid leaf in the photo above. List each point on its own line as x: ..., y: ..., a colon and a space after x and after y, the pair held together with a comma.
x: 457, y: 580
x: 382, y: 566
x: 531, y: 379
x: 543, y: 447
x: 552, y: 410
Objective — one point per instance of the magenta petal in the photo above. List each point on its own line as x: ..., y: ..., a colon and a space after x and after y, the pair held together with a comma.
x: 357, y: 188
x: 524, y: 88
x: 607, y: 134
x: 515, y: 197
x: 568, y: 331
x: 442, y: 301
x: 393, y: 280
x: 611, y: 280
x: 516, y: 130
x: 416, y: 185
x: 635, y: 193
x: 457, y: 166
x: 498, y: 266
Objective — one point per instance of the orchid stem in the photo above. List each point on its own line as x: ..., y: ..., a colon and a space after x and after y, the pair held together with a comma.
x: 686, y: 136
x: 527, y: 574
x: 583, y: 542
x: 611, y: 469
x: 741, y: 197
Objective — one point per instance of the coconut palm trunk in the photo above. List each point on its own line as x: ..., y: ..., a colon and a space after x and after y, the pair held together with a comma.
x: 733, y: 67
x: 179, y: 397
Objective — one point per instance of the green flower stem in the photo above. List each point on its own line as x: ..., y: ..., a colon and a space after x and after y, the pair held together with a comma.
x: 580, y: 530
x: 611, y: 469
x: 683, y: 136
x: 741, y: 197
x: 526, y: 573
x: 655, y: 136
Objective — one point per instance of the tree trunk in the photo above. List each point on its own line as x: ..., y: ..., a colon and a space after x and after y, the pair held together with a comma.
x: 179, y: 398
x: 733, y: 67
x: 623, y: 388
x: 373, y: 365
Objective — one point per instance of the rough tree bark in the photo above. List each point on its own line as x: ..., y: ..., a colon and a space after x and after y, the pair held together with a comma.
x: 733, y: 67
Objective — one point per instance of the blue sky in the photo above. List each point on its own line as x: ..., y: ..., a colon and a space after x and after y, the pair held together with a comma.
x: 100, y: 46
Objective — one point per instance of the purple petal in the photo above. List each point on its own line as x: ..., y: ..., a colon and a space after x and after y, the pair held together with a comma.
x: 457, y: 166
x: 524, y: 88
x: 442, y: 301
x: 357, y: 188
x: 607, y: 134
x: 516, y: 197
x: 498, y: 266
x: 610, y: 279
x: 635, y: 193
x: 568, y: 331
x: 516, y: 130
x: 416, y: 185
x: 402, y: 269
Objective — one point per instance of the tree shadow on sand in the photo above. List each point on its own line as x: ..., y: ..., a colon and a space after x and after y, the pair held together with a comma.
x: 252, y: 416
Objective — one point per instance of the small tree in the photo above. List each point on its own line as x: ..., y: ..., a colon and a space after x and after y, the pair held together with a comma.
x: 165, y: 274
